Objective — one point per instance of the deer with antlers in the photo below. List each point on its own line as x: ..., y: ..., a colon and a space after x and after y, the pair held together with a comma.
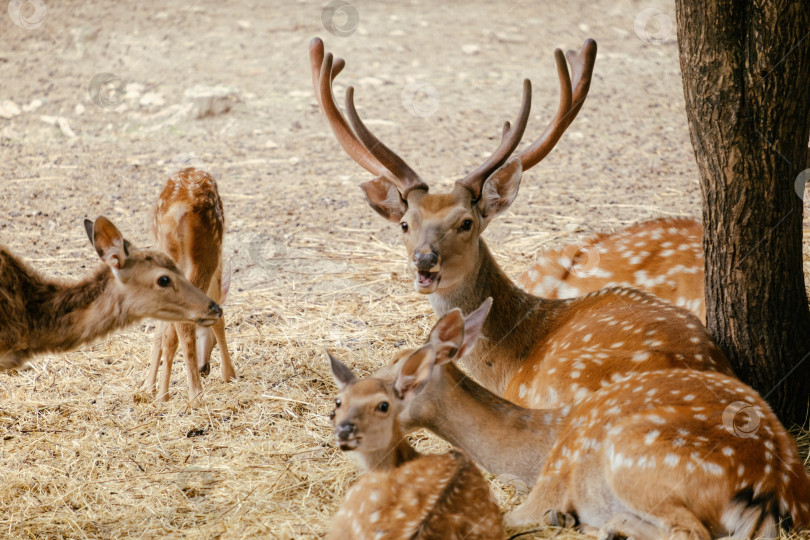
x: 662, y: 256
x: 43, y: 315
x: 535, y: 352
x: 189, y: 225
x: 660, y: 454
x: 403, y: 494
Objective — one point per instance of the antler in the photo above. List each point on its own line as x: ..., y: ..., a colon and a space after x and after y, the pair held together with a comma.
x: 359, y: 143
x: 570, y: 104
x: 510, y: 139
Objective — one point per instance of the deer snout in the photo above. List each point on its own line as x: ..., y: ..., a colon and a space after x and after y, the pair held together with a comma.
x: 425, y: 262
x: 345, y: 430
x: 214, y: 313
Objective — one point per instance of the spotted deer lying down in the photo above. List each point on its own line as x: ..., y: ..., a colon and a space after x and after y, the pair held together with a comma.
x: 661, y: 454
x: 42, y: 315
x: 536, y: 352
x: 403, y: 494
x: 662, y: 256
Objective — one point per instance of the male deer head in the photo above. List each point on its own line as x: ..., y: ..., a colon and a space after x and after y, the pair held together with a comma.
x: 441, y: 231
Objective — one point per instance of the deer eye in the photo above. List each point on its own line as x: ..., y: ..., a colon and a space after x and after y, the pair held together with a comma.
x: 404, y: 226
x: 466, y: 225
x: 383, y: 406
x: 331, y: 415
x: 164, y: 281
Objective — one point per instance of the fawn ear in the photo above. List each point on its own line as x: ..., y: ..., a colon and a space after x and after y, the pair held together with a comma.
x: 384, y: 198
x: 109, y: 244
x: 500, y: 189
x: 473, y: 323
x: 447, y: 336
x: 415, y: 372
x: 342, y: 374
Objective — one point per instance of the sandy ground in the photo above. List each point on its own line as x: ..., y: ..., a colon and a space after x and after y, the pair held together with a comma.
x: 103, y: 111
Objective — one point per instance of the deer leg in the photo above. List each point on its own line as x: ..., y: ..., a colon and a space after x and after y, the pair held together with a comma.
x: 205, y: 344
x: 188, y: 340
x: 548, y: 499
x: 168, y: 348
x: 228, y: 372
x: 154, y: 363
x: 678, y: 524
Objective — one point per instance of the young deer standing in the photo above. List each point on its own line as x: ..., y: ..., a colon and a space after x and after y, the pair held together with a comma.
x: 662, y: 454
x: 41, y: 315
x: 403, y: 494
x: 536, y: 352
x: 189, y: 225
x: 662, y: 256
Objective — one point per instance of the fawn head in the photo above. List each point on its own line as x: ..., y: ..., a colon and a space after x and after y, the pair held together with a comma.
x: 365, y: 413
x: 441, y: 231
x: 152, y: 284
x: 452, y: 337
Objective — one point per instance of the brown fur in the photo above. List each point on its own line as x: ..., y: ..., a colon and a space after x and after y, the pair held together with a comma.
x: 44, y: 315
x: 662, y: 256
x: 653, y: 455
x: 404, y: 494
x: 189, y: 224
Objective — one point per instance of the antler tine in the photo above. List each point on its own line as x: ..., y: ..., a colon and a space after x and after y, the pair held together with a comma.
x: 324, y: 70
x: 582, y: 68
x: 408, y: 179
x: 510, y: 139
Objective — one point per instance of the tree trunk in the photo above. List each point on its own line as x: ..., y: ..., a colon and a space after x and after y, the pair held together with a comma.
x: 746, y: 78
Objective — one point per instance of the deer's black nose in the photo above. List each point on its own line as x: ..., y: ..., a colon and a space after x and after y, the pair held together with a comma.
x: 425, y: 261
x: 345, y: 430
x: 215, y: 309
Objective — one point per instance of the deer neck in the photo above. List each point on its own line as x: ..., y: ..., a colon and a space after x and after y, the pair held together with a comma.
x: 515, y: 324
x: 499, y: 435
x: 73, y: 314
x: 388, y: 458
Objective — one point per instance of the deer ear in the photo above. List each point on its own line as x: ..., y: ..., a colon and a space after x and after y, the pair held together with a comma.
x: 500, y: 189
x: 342, y: 374
x: 109, y: 244
x: 415, y: 372
x: 447, y: 336
x: 473, y: 323
x: 384, y: 198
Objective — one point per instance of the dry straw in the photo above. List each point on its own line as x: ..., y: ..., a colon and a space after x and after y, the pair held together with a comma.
x: 86, y: 455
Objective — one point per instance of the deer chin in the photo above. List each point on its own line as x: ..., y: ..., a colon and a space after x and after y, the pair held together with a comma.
x: 206, y: 322
x: 426, y: 282
x: 349, y: 444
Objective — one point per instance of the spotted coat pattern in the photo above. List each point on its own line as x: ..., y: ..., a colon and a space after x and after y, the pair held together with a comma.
x: 661, y: 256
x: 430, y: 497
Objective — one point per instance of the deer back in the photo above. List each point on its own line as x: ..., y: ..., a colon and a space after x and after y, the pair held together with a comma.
x: 430, y: 497
x: 660, y: 441
x: 661, y: 256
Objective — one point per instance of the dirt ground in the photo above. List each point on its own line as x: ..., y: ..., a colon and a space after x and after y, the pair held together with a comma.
x: 103, y: 110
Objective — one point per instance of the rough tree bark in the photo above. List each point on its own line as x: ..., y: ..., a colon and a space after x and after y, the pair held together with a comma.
x: 746, y: 78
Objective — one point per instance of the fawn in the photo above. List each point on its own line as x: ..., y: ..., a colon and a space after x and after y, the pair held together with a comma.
x: 536, y: 352
x: 43, y: 315
x: 189, y: 225
x: 403, y: 494
x: 662, y: 256
x: 660, y: 454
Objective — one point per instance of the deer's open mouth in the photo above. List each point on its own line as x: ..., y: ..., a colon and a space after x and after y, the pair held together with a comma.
x: 426, y: 280
x: 348, y: 444
x: 206, y: 322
